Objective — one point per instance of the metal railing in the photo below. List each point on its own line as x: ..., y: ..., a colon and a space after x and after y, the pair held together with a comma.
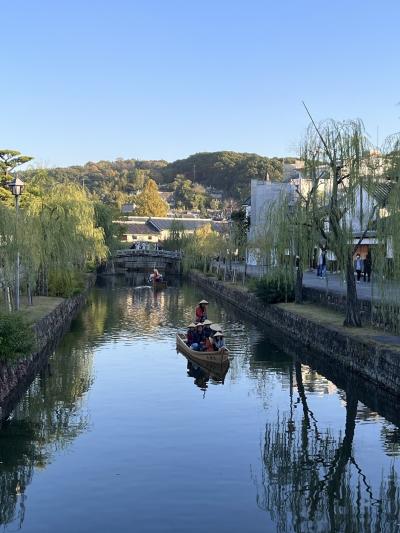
x: 148, y: 253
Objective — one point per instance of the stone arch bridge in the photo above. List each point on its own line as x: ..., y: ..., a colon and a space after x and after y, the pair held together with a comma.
x: 125, y: 261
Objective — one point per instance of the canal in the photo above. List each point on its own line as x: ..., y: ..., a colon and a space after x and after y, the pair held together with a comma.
x: 120, y: 433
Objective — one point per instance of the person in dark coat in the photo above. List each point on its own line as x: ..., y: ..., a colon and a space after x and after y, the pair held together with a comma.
x: 190, y: 334
x: 368, y: 267
x: 198, y: 339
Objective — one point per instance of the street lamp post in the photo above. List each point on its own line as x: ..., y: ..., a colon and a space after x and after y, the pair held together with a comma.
x: 16, y: 187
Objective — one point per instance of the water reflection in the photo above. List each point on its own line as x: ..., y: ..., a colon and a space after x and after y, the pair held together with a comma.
x: 312, y: 479
x: 46, y: 420
x: 206, y: 372
x: 323, y: 446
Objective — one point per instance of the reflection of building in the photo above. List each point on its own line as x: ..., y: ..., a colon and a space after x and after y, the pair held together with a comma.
x: 155, y: 229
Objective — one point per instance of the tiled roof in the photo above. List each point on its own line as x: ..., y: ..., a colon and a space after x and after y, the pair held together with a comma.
x: 139, y: 229
x: 188, y: 225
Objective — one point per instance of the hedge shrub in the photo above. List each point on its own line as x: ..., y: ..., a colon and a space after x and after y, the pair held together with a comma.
x: 16, y: 336
x: 274, y: 289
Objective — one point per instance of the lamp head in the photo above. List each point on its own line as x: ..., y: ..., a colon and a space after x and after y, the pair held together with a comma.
x: 16, y: 186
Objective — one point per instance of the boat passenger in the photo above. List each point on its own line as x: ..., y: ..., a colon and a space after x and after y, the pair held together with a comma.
x: 219, y: 341
x: 207, y: 329
x: 198, y: 339
x: 208, y: 344
x: 190, y: 334
x: 201, y: 311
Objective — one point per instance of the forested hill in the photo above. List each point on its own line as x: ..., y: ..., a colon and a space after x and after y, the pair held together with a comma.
x: 229, y: 172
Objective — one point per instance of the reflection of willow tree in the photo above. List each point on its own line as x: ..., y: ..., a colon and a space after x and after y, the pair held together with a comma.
x: 311, y: 480
x: 48, y: 419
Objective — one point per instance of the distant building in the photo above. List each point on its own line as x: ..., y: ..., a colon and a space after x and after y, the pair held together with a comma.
x: 128, y: 209
x: 156, y: 229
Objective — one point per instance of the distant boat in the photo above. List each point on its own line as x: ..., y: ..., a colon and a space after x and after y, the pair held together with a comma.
x: 220, y: 357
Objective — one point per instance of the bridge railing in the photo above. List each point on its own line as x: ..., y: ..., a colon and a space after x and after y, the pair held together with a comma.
x: 149, y: 253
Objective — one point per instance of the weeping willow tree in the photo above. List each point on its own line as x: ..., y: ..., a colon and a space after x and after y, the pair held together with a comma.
x: 289, y: 237
x: 201, y: 248
x: 67, y: 239
x: 386, y: 257
x: 56, y: 236
x: 340, y: 167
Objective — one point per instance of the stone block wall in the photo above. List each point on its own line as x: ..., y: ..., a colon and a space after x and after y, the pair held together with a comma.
x: 15, y: 376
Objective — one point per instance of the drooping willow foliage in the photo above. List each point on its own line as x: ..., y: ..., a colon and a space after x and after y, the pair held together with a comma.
x: 55, y: 235
x: 386, y: 255
x: 332, y: 207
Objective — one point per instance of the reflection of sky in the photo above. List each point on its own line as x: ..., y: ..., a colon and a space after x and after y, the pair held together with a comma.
x: 159, y: 454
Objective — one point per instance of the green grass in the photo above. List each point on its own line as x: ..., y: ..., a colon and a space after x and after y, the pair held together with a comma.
x: 42, y: 306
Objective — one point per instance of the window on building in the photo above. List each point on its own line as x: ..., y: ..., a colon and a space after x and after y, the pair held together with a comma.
x: 134, y: 237
x: 150, y: 237
x: 124, y: 238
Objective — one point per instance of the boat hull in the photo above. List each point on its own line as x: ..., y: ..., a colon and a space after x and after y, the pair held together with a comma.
x: 207, y: 357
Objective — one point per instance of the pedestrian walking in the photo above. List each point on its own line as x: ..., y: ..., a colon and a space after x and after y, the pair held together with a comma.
x: 358, y: 267
x: 367, y: 267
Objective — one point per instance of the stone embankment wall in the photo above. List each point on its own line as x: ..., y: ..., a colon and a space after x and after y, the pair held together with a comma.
x: 372, y: 360
x: 374, y: 314
x: 17, y: 375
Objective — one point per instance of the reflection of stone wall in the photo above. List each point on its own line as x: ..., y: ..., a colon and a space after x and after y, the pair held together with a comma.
x: 372, y: 360
x: 15, y: 377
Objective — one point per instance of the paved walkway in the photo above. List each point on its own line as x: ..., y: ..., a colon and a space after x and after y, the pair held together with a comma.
x: 332, y: 283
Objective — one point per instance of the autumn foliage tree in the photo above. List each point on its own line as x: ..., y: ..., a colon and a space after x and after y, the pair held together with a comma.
x: 149, y: 202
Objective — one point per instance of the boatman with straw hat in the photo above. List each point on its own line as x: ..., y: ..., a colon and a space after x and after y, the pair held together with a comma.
x: 201, y: 311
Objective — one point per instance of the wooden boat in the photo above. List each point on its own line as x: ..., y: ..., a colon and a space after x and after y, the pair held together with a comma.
x: 211, y: 357
x: 159, y: 285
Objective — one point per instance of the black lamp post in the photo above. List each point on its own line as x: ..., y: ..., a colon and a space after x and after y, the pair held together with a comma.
x: 16, y: 186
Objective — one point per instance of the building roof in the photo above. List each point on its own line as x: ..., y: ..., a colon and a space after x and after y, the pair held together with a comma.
x: 153, y: 226
x: 162, y: 224
x: 139, y: 229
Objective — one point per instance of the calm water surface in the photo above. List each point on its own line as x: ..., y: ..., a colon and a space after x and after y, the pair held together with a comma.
x: 117, y: 434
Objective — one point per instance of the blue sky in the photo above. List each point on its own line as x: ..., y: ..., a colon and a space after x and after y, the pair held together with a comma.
x: 161, y: 79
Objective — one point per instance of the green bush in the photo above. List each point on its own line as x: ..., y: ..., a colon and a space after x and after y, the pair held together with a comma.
x: 65, y: 283
x: 16, y: 336
x: 274, y: 289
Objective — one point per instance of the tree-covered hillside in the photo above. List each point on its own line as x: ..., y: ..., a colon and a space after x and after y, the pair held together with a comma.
x: 116, y: 181
x: 229, y: 171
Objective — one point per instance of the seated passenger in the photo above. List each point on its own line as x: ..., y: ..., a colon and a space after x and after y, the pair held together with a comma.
x: 198, y: 339
x: 208, y: 344
x: 201, y: 311
x: 207, y: 329
x: 190, y: 334
x: 219, y: 341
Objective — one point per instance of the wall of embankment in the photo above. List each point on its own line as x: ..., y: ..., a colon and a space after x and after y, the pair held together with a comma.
x: 16, y: 376
x: 372, y: 360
